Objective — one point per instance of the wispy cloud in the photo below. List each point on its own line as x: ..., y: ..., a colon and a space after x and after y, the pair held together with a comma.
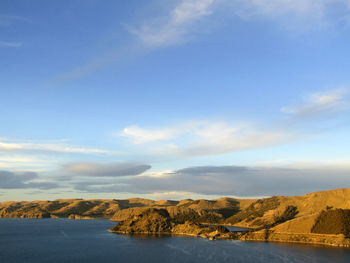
x: 220, y: 138
x: 6, y: 20
x: 24, y: 162
x: 200, y: 138
x: 182, y: 23
x: 10, y: 44
x: 140, y: 135
x: 165, y: 30
x: 175, y: 27
x: 320, y: 104
x: 29, y: 146
x: 293, y: 14
x: 205, y: 138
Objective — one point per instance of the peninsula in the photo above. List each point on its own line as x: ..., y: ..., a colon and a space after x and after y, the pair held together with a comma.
x: 317, y: 218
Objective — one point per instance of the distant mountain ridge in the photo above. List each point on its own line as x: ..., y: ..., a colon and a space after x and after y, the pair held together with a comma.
x: 119, y: 209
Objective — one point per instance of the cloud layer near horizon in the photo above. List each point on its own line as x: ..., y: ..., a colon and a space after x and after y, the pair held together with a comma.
x: 191, y: 139
x: 227, y: 181
x: 23, y: 180
x: 109, y: 170
x: 240, y: 181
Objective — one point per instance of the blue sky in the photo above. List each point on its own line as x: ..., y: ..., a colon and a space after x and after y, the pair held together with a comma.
x: 173, y: 99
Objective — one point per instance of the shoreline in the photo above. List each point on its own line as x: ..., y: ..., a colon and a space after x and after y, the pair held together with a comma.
x: 327, y: 240
x: 339, y: 238
x: 299, y: 238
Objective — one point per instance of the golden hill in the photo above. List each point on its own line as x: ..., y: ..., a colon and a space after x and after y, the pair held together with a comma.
x: 279, y: 215
x: 264, y: 212
x: 119, y: 209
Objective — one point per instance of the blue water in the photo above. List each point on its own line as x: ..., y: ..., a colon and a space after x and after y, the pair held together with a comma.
x: 64, y: 240
x: 236, y: 229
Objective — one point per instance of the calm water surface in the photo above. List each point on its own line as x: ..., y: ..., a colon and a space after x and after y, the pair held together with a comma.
x: 64, y: 240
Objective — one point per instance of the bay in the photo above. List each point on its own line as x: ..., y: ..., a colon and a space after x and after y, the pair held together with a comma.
x: 64, y: 240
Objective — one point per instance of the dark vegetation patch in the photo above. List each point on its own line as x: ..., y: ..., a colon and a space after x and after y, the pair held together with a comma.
x: 255, y: 210
x: 289, y: 213
x: 212, y: 218
x: 335, y: 221
x: 194, y: 216
x: 228, y: 212
x: 183, y: 217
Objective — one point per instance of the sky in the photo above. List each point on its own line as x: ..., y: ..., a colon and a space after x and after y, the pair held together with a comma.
x: 173, y: 99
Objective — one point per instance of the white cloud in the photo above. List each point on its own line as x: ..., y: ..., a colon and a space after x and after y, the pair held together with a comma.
x: 220, y: 138
x: 10, y: 44
x: 4, y: 146
x: 206, y: 138
x: 139, y: 135
x: 23, y: 161
x: 158, y: 174
x: 176, y: 26
x: 24, y: 146
x: 320, y: 103
x: 201, y: 138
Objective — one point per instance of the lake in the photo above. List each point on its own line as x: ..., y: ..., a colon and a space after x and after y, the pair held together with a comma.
x: 64, y: 240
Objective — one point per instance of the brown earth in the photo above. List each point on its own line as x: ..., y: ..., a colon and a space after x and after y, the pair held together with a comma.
x: 306, y: 218
x: 120, y: 210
